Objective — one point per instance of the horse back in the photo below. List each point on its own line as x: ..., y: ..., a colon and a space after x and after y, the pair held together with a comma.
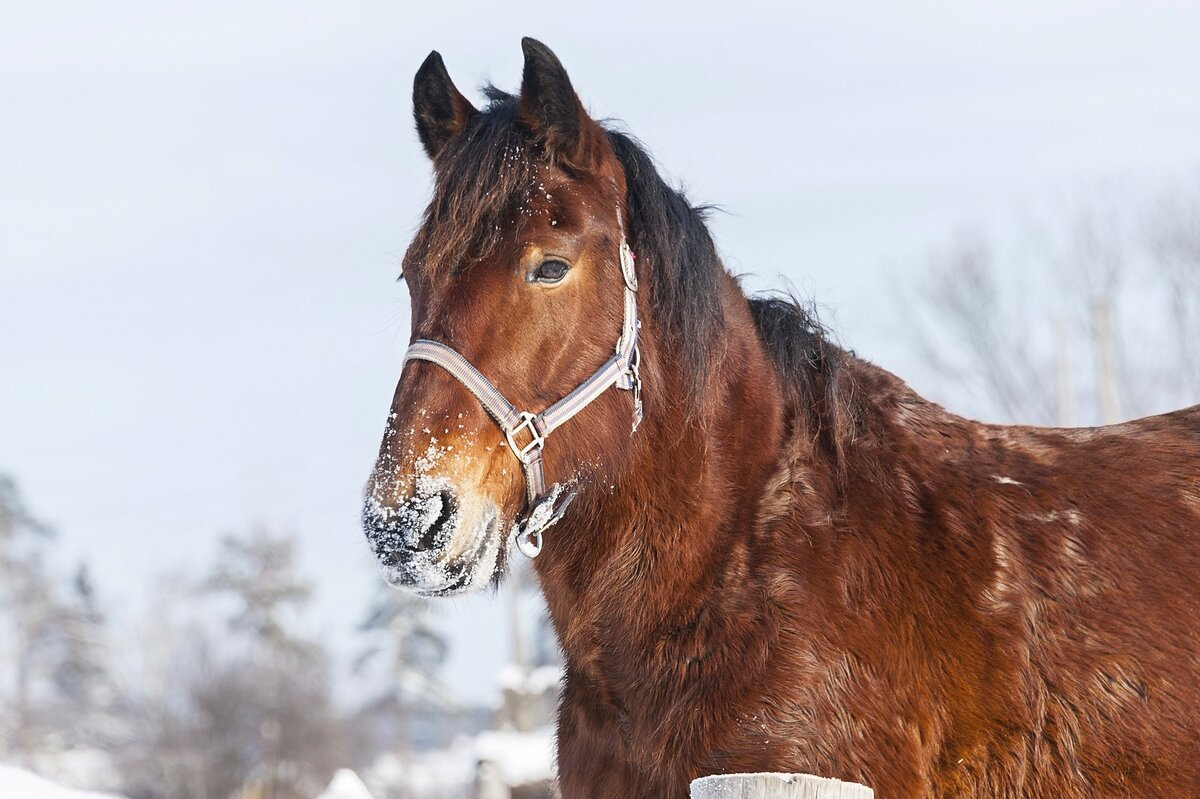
x: 1036, y: 592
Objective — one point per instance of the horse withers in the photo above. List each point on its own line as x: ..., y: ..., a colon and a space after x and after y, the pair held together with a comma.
x: 759, y: 552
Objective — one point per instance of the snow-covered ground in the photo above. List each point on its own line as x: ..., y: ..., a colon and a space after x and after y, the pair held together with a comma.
x: 529, y: 681
x: 17, y: 783
x: 502, y: 757
x: 346, y: 785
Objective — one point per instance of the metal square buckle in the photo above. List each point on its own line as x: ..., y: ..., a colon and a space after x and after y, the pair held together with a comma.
x: 524, y: 454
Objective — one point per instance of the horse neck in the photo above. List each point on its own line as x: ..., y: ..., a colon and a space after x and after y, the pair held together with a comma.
x: 643, y: 554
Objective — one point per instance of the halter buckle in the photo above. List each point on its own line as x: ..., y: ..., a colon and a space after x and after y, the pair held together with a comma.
x: 525, y: 454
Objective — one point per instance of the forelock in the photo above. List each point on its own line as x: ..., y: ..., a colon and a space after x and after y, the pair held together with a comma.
x: 482, y: 179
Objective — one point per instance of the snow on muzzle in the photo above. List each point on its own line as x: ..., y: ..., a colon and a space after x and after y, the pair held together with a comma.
x: 431, y: 510
x: 437, y: 541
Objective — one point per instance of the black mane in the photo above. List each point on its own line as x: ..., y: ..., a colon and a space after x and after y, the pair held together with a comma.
x: 671, y: 238
x: 810, y: 366
x: 686, y: 273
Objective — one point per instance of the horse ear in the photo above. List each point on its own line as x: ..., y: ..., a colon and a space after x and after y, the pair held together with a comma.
x: 439, y: 108
x: 550, y: 108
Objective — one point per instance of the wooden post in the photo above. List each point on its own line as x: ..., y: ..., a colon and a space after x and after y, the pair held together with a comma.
x: 1110, y: 403
x: 776, y: 786
x: 1066, y: 394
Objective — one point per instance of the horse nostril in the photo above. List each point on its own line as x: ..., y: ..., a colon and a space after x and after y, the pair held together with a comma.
x: 422, y: 524
x: 445, y: 506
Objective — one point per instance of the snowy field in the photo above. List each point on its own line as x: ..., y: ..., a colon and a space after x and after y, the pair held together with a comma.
x: 16, y: 783
x: 491, y: 763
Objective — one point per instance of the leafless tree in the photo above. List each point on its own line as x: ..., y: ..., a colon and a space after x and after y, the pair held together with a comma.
x: 969, y: 332
x: 1087, y: 320
x: 239, y: 706
x: 1174, y: 240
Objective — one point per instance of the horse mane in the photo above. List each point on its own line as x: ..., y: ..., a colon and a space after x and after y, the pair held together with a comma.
x: 686, y: 274
x: 671, y: 237
x: 482, y: 180
x: 811, y: 368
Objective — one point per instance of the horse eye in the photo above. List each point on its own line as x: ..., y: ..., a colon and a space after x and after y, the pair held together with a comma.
x: 551, y: 270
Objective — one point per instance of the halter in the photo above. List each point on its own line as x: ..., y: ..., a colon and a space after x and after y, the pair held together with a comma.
x: 620, y: 370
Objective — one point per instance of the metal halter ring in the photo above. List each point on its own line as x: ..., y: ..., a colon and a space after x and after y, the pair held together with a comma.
x: 536, y: 441
x: 529, y: 542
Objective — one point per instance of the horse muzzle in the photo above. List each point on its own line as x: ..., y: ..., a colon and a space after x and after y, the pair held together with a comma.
x: 436, y: 542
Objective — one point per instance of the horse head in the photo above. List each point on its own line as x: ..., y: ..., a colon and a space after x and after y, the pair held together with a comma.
x: 522, y: 293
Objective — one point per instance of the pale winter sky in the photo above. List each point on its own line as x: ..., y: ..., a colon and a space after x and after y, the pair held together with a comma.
x: 203, y: 205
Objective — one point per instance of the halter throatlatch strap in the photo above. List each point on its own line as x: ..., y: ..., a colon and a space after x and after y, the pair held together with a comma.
x: 525, y: 432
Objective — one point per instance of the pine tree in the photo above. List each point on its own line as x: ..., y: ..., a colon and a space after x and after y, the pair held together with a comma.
x: 407, y: 706
x: 272, y: 702
x: 81, y: 676
x: 258, y: 573
x: 398, y: 635
x: 28, y: 611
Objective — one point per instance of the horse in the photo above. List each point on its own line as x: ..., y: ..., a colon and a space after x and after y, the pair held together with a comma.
x: 760, y: 552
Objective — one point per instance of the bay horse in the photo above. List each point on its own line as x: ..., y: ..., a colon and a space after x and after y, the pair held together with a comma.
x: 793, y: 563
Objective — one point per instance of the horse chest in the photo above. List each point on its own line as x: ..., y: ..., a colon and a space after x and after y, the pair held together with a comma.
x: 656, y: 714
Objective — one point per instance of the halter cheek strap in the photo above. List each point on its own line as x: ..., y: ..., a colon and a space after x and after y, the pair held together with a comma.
x: 525, y: 432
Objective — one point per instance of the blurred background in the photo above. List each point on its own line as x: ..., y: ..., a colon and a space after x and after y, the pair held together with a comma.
x: 202, y: 212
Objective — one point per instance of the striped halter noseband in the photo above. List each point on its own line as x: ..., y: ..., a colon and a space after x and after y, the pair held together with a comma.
x: 621, y: 370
